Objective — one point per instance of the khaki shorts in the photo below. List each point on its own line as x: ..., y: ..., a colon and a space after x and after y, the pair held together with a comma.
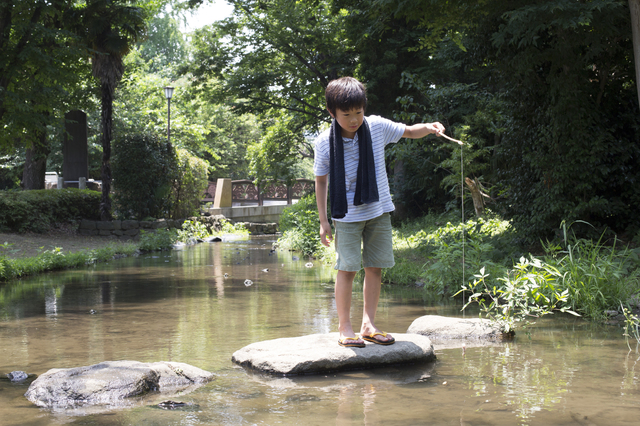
x: 365, y: 244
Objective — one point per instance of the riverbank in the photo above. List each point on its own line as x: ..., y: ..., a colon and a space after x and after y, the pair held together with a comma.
x: 21, y: 246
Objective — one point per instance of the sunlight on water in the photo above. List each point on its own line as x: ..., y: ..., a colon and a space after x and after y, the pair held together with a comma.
x: 193, y: 306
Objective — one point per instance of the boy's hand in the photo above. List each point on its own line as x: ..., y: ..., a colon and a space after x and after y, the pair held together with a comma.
x: 325, y: 233
x: 437, y: 127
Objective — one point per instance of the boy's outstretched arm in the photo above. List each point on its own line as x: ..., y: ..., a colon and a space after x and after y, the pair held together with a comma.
x: 321, y: 201
x: 421, y: 130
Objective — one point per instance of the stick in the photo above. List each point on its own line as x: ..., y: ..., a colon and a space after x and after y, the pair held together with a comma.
x: 451, y: 139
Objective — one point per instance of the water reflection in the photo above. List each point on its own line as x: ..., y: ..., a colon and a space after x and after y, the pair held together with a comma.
x: 192, y: 306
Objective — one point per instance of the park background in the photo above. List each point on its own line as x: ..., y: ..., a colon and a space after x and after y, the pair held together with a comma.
x: 543, y: 94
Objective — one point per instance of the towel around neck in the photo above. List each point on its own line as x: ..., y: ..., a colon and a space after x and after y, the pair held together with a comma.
x: 366, y: 184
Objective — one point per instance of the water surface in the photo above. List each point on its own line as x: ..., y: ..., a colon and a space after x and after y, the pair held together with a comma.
x: 180, y: 306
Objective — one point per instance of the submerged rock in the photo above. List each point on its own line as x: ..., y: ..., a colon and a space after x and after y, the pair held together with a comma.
x: 439, y: 328
x: 17, y: 376
x: 320, y: 353
x: 110, y: 382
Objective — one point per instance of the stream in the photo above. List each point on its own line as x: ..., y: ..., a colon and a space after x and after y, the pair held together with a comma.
x: 193, y: 306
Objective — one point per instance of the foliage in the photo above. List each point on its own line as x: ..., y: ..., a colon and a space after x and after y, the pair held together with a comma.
x: 631, y: 326
x: 192, y: 230
x: 143, y: 172
x: 484, y: 242
x: 597, y: 276
x: 189, y: 185
x: 39, y: 210
x: 299, y: 224
x: 160, y: 239
x: 57, y: 258
x: 296, y: 48
x: 529, y: 292
x: 231, y: 228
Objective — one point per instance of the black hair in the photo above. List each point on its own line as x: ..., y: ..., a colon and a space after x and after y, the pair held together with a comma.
x: 345, y: 93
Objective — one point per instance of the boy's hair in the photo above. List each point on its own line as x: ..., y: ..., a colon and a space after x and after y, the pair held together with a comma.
x: 345, y: 93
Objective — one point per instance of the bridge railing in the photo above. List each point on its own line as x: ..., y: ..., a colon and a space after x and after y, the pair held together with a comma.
x: 245, y: 192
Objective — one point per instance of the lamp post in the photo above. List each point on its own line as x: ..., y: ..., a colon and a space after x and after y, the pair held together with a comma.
x: 168, y: 92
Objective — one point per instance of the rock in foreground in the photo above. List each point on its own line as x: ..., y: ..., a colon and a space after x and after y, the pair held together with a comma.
x: 111, y: 381
x: 440, y: 328
x: 320, y: 353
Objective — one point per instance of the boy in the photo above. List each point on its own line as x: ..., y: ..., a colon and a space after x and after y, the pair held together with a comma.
x: 350, y: 157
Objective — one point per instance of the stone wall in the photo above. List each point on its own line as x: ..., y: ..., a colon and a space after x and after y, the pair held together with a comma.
x: 130, y: 229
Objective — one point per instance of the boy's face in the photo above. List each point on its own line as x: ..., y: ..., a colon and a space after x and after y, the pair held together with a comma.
x: 350, y: 121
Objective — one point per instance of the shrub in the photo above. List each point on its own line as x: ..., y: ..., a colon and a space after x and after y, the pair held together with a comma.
x: 143, y: 173
x: 299, y: 225
x: 191, y: 181
x: 161, y: 239
x: 39, y: 210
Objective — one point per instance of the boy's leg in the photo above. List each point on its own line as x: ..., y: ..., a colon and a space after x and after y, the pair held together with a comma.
x: 343, y: 288
x: 377, y: 254
x: 371, y: 292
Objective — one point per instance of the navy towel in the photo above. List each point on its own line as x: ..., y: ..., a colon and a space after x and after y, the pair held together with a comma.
x: 366, y: 184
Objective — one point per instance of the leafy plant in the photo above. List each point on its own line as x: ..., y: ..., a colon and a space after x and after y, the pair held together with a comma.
x: 528, y: 292
x: 161, y: 239
x: 631, y: 326
x: 299, y: 225
x: 191, y: 181
x: 192, y: 230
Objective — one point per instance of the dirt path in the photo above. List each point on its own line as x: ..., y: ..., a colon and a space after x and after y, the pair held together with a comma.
x: 30, y: 244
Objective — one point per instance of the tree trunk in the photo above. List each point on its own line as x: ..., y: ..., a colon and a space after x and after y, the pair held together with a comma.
x: 634, y: 7
x: 107, y: 122
x: 35, y: 164
x: 476, y: 195
x: 398, y: 181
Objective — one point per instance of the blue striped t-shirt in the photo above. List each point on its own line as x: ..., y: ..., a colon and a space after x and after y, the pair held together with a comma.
x: 383, y: 132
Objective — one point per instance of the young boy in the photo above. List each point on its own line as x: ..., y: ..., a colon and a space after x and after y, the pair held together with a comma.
x: 350, y: 157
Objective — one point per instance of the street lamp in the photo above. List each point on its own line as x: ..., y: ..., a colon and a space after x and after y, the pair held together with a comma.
x: 168, y: 92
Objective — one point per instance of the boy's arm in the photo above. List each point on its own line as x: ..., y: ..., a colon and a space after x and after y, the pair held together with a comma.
x: 321, y: 201
x: 421, y: 130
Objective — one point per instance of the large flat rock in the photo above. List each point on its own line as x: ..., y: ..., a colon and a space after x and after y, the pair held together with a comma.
x: 111, y: 382
x: 439, y: 328
x: 320, y: 353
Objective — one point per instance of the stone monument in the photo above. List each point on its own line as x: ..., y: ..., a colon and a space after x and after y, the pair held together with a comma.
x: 75, y: 151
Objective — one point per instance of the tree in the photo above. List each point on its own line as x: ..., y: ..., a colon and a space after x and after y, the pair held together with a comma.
x: 274, y: 58
x: 38, y: 67
x: 634, y: 8
x: 110, y: 29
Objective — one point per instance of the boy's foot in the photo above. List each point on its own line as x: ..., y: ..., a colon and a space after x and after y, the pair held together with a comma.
x: 351, y: 342
x: 385, y: 340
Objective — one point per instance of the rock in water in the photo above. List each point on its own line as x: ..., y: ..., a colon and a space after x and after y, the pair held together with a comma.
x: 17, y: 376
x: 320, y: 353
x: 445, y: 328
x: 112, y: 381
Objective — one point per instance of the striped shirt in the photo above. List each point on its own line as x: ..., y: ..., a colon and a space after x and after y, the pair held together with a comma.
x: 383, y: 132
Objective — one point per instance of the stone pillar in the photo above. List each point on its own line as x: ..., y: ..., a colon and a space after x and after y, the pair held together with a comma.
x: 82, y: 183
x: 75, y: 152
x: 223, y: 193
x: 60, y: 182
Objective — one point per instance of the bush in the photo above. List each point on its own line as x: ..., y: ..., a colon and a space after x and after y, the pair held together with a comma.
x: 143, y: 173
x: 300, y: 225
x: 191, y: 182
x: 161, y: 239
x: 39, y: 210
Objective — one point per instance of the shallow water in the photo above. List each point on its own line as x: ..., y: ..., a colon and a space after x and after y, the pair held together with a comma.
x: 179, y: 306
